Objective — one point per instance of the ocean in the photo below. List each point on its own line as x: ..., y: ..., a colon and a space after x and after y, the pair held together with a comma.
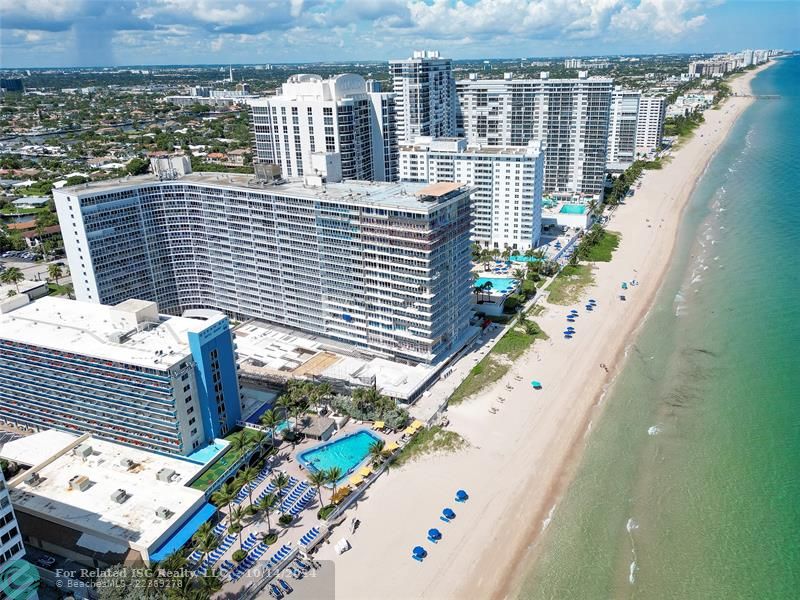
x: 690, y: 482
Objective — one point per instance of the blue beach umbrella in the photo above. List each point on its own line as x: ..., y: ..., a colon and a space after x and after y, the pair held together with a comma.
x: 434, y: 534
x: 574, y: 311
x: 592, y: 301
x: 449, y: 513
x: 568, y: 336
x: 461, y: 495
x: 536, y: 385
x: 419, y: 552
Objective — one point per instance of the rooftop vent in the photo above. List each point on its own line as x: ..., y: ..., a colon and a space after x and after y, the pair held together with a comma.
x: 119, y: 496
x: 32, y: 479
x: 163, y: 513
x: 84, y: 451
x: 80, y: 483
x: 127, y: 463
x: 166, y: 474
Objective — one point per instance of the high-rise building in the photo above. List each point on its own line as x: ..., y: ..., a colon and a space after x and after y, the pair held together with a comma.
x: 383, y: 267
x: 426, y: 96
x: 650, y: 123
x: 507, y: 182
x: 622, y: 129
x: 334, y: 125
x: 12, y: 84
x: 123, y: 373
x: 568, y: 116
x: 573, y: 63
x: 11, y: 548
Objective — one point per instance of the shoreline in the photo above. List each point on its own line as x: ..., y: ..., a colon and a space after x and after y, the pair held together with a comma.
x: 521, y: 460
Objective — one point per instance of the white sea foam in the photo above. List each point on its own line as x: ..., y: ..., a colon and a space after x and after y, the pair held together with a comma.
x: 632, y: 572
x: 548, y: 519
x: 631, y: 525
x: 697, y: 279
x: 654, y: 430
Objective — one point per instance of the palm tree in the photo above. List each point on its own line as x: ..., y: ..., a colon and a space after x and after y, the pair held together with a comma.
x: 281, y: 480
x: 246, y: 477
x: 237, y: 516
x: 202, y: 531
x: 518, y: 274
x: 240, y: 442
x: 55, y: 271
x: 224, y: 496
x: 12, y: 275
x: 207, y: 544
x: 210, y: 583
x: 318, y: 479
x: 334, y: 475
x: 285, y: 402
x: 271, y: 420
x: 265, y: 504
x: 259, y: 439
x: 376, y: 451
x: 324, y: 391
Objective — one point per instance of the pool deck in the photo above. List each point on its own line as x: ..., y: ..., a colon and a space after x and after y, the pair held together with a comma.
x: 285, y: 460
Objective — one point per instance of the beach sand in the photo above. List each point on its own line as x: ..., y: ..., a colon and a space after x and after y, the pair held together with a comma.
x: 521, y: 459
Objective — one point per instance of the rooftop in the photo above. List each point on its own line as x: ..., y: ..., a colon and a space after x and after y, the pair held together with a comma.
x: 131, y: 333
x: 366, y: 193
x: 108, y: 467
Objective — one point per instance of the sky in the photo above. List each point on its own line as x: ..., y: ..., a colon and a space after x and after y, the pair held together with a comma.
x: 79, y: 33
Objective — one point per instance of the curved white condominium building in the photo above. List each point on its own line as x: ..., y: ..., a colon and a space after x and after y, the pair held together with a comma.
x: 384, y: 267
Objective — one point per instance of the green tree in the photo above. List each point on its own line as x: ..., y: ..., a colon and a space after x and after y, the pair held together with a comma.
x: 13, y: 276
x: 54, y: 271
x: 224, y: 495
x: 271, y: 420
x: 318, y: 479
x: 334, y: 475
x: 245, y: 478
x: 376, y: 452
x: 265, y: 505
x: 137, y: 166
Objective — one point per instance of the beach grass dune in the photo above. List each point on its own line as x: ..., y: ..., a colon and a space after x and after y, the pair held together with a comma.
x: 518, y: 461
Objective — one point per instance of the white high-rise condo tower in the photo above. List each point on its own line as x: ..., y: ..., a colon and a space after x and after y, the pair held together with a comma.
x: 650, y: 124
x: 383, y: 267
x: 507, y: 201
x: 426, y: 96
x: 622, y: 129
x: 568, y: 116
x: 339, y: 128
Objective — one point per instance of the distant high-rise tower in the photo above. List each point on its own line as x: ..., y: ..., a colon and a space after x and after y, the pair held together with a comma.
x: 569, y: 116
x: 230, y: 74
x: 622, y: 128
x: 333, y: 127
x: 426, y: 96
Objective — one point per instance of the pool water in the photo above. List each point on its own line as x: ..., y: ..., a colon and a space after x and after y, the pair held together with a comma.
x: 500, y: 285
x: 573, y: 209
x: 347, y: 453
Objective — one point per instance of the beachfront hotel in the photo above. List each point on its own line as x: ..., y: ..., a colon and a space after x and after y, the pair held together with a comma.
x: 11, y: 547
x: 507, y: 201
x: 381, y: 267
x: 622, y: 129
x: 341, y: 127
x: 425, y: 94
x: 570, y: 117
x: 650, y: 124
x: 123, y: 373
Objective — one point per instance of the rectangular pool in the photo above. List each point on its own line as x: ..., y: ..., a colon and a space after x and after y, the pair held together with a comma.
x: 347, y: 453
x: 501, y: 285
x: 573, y: 209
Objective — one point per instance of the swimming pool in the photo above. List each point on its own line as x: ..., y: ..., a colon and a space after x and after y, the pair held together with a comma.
x: 500, y: 285
x: 346, y: 453
x: 573, y: 209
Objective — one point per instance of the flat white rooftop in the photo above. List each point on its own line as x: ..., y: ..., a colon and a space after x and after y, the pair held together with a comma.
x: 132, y: 523
x: 132, y: 332
x: 364, y: 193
x: 269, y: 350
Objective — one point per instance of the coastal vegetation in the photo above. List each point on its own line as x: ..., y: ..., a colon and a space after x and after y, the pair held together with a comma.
x: 683, y: 126
x: 598, y: 244
x: 428, y: 441
x: 567, y: 288
x: 517, y: 339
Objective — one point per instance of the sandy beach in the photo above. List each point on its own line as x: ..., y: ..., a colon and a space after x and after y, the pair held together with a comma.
x: 520, y: 460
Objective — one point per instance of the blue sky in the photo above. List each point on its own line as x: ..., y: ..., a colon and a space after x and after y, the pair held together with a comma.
x: 68, y: 33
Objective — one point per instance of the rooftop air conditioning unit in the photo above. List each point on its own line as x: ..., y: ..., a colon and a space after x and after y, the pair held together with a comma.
x: 32, y: 479
x: 119, y: 496
x: 80, y: 483
x: 166, y: 474
x: 163, y: 513
x: 84, y: 451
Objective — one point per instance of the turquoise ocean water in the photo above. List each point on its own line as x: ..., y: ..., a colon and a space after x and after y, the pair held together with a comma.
x: 690, y: 483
